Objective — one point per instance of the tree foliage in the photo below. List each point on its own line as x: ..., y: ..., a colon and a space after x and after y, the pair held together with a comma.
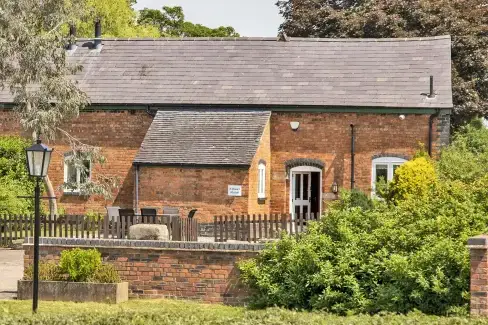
x: 34, y: 67
x: 118, y: 19
x: 399, y: 256
x: 171, y: 22
x: 14, y: 178
x: 466, y: 21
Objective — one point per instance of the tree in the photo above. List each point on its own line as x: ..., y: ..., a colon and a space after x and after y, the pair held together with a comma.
x: 35, y: 69
x: 171, y: 23
x: 14, y: 177
x: 118, y: 19
x: 465, y: 20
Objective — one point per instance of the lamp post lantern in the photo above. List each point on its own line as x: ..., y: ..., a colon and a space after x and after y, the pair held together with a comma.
x: 38, y: 159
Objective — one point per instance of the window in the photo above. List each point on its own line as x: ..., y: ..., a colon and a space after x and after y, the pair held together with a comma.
x: 75, y: 175
x: 262, y: 180
x: 384, y: 168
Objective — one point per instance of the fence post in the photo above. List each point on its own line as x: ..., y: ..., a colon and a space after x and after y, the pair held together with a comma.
x: 254, y: 235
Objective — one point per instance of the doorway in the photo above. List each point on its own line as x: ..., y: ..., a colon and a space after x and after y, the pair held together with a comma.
x: 305, y: 191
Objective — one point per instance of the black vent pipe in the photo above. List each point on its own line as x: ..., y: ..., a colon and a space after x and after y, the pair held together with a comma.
x: 98, y: 34
x: 72, y: 35
x: 353, y: 155
x: 431, y: 93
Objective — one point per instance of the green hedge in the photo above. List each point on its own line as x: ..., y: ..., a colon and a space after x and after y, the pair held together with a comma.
x: 179, y: 312
x: 404, y: 253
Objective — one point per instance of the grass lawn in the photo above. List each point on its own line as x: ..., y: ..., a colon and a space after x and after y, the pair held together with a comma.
x: 171, y: 312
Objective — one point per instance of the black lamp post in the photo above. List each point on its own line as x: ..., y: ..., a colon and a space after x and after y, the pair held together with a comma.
x: 38, y: 159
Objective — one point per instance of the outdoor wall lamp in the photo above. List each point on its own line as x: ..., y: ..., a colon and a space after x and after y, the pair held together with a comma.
x: 294, y: 125
x: 335, y: 187
x: 38, y: 159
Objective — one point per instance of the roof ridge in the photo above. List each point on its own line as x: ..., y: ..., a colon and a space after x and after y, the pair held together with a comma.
x: 271, y: 39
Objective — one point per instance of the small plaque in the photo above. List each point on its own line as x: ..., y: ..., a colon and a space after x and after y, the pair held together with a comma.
x: 235, y: 190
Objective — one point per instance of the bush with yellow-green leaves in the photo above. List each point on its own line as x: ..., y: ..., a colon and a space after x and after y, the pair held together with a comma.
x: 402, y: 253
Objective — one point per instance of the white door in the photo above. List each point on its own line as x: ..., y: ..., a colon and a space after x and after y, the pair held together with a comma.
x: 301, y: 191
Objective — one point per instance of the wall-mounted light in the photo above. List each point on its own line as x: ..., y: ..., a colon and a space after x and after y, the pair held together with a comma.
x: 401, y: 117
x: 294, y: 125
x: 335, y: 188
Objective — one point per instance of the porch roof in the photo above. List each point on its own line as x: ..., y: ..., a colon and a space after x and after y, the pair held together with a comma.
x: 203, y: 137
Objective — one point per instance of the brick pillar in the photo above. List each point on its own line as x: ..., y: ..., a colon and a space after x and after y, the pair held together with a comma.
x: 478, y: 251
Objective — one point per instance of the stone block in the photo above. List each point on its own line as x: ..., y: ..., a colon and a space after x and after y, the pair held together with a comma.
x: 149, y: 232
x: 112, y: 293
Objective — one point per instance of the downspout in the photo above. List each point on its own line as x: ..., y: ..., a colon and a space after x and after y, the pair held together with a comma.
x: 432, y: 117
x: 353, y: 154
x: 136, y: 205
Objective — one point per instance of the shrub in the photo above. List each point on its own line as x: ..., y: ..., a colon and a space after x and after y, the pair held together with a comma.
x: 395, y: 258
x: 80, y: 264
x: 356, y: 198
x: 47, y: 272
x: 414, y: 178
x: 105, y: 273
x: 400, y: 255
x: 466, y: 159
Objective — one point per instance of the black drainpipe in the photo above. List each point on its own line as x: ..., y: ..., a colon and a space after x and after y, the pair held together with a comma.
x: 431, y: 130
x: 432, y: 117
x: 353, y: 154
x: 136, y: 185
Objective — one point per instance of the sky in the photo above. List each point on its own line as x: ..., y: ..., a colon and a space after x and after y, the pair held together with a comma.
x: 251, y: 18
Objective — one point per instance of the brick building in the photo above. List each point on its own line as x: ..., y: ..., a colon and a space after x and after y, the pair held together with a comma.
x: 233, y: 126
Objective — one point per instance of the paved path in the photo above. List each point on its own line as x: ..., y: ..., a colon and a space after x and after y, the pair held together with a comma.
x: 11, y: 270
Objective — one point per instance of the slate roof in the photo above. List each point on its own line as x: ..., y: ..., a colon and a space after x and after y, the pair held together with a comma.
x: 264, y: 71
x: 203, y: 137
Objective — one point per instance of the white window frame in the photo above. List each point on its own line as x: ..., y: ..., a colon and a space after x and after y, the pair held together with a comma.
x: 78, y: 174
x: 389, y: 162
x: 261, y: 180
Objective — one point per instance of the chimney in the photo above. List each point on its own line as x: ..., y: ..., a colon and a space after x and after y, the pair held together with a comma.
x: 72, y: 36
x: 98, y: 34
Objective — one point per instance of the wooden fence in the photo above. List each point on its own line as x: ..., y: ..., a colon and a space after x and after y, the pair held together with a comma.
x: 78, y: 226
x: 253, y: 228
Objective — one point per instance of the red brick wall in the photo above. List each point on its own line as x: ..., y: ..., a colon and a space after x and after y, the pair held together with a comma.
x: 205, y: 275
x: 324, y: 136
x: 257, y: 206
x: 120, y: 135
x: 204, y: 189
x: 327, y: 136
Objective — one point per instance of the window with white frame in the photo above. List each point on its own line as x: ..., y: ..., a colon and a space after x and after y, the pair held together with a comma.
x: 76, y: 173
x: 384, y: 169
x: 262, y: 180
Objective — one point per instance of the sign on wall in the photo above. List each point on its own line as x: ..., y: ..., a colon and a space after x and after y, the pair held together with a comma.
x: 235, y: 190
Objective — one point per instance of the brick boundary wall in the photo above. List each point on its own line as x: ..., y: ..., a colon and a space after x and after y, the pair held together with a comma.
x: 478, y: 252
x: 182, y: 270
